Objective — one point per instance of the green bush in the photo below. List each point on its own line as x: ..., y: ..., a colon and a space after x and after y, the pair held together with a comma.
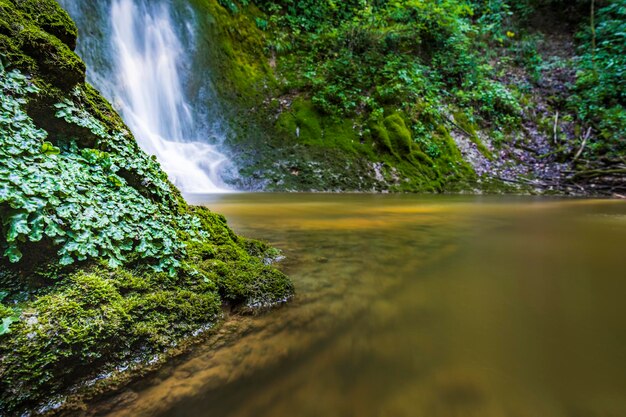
x: 357, y: 58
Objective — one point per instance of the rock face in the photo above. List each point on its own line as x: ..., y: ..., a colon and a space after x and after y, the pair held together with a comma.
x: 103, y: 263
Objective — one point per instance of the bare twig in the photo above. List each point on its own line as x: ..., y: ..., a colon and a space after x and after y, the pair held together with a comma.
x: 592, y: 173
x: 593, y: 33
x: 556, y: 125
x: 582, y: 147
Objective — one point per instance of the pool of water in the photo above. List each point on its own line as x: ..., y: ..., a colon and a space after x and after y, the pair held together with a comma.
x: 412, y: 306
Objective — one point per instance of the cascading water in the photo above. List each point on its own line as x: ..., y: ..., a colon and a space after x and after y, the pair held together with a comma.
x: 139, y: 63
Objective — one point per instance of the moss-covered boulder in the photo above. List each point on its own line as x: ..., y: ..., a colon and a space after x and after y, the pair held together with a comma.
x: 102, y: 263
x: 39, y: 37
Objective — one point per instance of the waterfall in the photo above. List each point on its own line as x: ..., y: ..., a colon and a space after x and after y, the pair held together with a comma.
x: 138, y: 54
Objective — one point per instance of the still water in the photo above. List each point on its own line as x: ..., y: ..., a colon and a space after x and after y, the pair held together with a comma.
x: 412, y: 306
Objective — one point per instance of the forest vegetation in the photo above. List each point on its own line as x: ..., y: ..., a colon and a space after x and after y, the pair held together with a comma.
x: 530, y: 92
x: 105, y: 266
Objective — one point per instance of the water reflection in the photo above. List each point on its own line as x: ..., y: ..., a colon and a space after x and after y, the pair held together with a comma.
x: 413, y: 306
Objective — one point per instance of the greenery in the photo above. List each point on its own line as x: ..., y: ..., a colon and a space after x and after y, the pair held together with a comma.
x: 600, y: 97
x: 473, y: 67
x: 358, y: 58
x: 103, y: 266
x: 75, y: 197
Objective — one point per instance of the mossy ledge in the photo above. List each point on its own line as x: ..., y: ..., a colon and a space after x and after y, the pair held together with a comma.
x: 104, y: 266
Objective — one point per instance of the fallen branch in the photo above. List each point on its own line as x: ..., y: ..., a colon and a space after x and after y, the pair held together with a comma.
x: 469, y: 135
x: 554, y: 152
x: 525, y: 148
x: 593, y: 173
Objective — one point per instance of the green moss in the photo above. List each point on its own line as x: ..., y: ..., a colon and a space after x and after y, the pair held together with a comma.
x: 301, y: 122
x: 381, y: 136
x: 55, y: 61
x: 238, y: 266
x: 95, y: 317
x: 341, y: 155
x: 65, y: 148
x: 236, y: 53
x: 98, y: 317
x: 392, y: 135
x: 399, y: 134
x: 470, y: 129
x: 98, y: 106
x: 33, y: 46
x: 52, y: 18
x: 464, y: 123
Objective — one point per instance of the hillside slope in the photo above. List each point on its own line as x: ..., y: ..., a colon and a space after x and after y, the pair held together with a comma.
x: 421, y: 95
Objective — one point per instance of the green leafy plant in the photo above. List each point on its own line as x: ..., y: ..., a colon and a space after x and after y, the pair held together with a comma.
x: 358, y: 58
x: 8, y: 316
x: 81, y: 200
x: 600, y: 97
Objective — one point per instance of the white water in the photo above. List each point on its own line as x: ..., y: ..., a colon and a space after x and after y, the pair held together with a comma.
x: 145, y: 80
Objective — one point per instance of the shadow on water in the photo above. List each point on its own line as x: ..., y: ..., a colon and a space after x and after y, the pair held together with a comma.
x: 416, y: 306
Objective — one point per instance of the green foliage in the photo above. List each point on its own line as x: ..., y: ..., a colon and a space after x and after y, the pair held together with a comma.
x: 310, y: 15
x: 8, y: 316
x: 75, y: 189
x: 363, y: 61
x: 600, y: 97
x: 230, y: 5
x: 358, y: 59
x: 98, y: 318
x: 261, y: 23
x: 79, y: 199
x: 88, y: 204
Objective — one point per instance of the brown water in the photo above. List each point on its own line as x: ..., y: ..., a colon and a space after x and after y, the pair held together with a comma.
x: 413, y: 306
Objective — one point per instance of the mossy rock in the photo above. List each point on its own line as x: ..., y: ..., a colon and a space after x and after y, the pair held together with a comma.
x: 392, y: 134
x: 301, y: 122
x: 41, y: 37
x: 96, y: 317
x: 55, y: 61
x: 51, y: 17
x: 86, y: 319
x: 399, y: 134
x: 238, y: 265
